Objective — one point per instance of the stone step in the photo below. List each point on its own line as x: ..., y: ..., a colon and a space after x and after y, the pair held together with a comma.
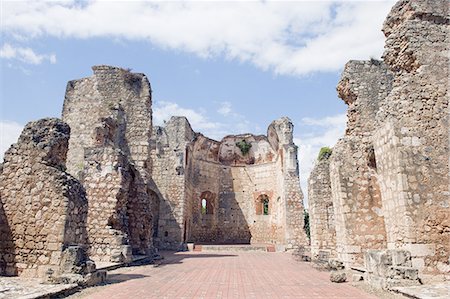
x: 233, y: 247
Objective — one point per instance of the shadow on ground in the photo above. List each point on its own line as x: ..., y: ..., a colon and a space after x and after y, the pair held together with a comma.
x: 171, y: 258
x: 118, y: 278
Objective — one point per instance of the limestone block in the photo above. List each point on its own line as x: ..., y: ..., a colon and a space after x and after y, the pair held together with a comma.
x: 338, y: 276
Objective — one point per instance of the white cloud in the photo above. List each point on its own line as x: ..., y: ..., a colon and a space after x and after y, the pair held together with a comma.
x: 163, y: 111
x: 26, y: 55
x: 200, y: 120
x: 286, y: 37
x: 9, y: 133
x: 225, y: 108
x: 327, y: 131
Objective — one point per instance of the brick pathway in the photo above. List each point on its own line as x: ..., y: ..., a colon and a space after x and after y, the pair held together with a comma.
x: 224, y: 275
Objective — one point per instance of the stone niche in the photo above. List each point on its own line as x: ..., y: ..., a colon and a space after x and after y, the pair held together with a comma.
x: 109, y: 151
x: 213, y: 192
x: 43, y: 209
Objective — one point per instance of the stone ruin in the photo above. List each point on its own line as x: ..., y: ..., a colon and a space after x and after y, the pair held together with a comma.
x: 388, y: 177
x: 104, y: 185
x: 252, y: 197
x: 43, y: 209
x: 110, y: 119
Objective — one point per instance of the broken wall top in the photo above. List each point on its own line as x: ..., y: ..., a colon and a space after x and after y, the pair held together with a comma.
x: 416, y: 34
x: 363, y: 85
x: 112, y: 107
x: 264, y: 149
x: 45, y: 141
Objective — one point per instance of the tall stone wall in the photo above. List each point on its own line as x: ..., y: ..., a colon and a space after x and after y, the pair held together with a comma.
x: 233, y: 184
x: 321, y: 211
x: 168, y: 153
x: 412, y: 142
x: 109, y: 150
x: 43, y: 209
x: 390, y: 172
x: 355, y: 187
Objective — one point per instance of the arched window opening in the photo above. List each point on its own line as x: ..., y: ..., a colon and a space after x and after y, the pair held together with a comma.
x: 266, y: 206
x: 262, y: 205
x: 207, y: 203
x: 204, y: 206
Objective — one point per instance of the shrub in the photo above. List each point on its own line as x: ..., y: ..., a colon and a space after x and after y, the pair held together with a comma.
x: 306, y: 224
x: 244, y: 146
x: 325, y: 153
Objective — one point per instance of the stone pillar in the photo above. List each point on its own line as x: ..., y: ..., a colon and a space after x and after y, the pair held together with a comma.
x: 109, y: 150
x: 43, y: 209
x: 321, y: 212
x: 355, y: 188
x: 280, y: 134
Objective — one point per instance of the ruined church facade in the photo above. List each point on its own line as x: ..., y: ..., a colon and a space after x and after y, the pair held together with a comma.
x: 104, y: 185
x: 214, y: 192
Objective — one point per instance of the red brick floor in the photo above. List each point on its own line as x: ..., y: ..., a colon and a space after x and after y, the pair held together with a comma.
x: 225, y: 275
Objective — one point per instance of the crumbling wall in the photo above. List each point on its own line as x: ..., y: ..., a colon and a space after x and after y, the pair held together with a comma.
x: 355, y: 187
x: 321, y: 211
x: 412, y: 141
x: 43, y: 208
x: 168, y: 155
x: 189, y: 167
x: 109, y: 150
x: 280, y: 135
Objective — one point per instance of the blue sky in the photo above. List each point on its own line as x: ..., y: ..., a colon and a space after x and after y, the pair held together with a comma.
x: 230, y: 67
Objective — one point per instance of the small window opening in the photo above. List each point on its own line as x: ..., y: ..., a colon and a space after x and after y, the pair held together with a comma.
x: 266, y: 206
x: 204, y: 206
x: 207, y: 203
x: 262, y: 205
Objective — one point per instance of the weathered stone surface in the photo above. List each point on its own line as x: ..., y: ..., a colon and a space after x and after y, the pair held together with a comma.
x: 322, y: 227
x: 189, y: 167
x: 390, y: 268
x: 412, y: 139
x: 338, y: 276
x: 355, y: 188
x: 43, y: 209
x: 390, y: 172
x: 109, y: 150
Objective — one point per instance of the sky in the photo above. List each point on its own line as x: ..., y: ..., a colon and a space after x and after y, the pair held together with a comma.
x: 229, y: 67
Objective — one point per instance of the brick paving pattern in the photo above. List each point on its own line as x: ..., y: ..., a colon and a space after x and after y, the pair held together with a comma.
x: 225, y: 275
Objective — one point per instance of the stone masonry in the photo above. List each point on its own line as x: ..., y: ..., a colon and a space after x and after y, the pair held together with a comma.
x: 390, y: 172
x: 322, y: 224
x: 355, y: 188
x: 189, y: 168
x: 109, y: 153
x: 43, y: 209
x: 412, y: 140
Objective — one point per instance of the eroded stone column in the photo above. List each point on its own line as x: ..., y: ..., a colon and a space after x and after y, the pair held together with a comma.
x: 321, y: 212
x: 355, y: 187
x: 43, y: 209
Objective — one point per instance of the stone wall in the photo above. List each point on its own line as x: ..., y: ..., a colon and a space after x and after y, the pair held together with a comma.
x: 169, y: 154
x: 412, y: 142
x: 390, y: 172
x: 109, y: 150
x: 43, y: 209
x: 355, y: 188
x: 189, y: 167
x: 322, y: 227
